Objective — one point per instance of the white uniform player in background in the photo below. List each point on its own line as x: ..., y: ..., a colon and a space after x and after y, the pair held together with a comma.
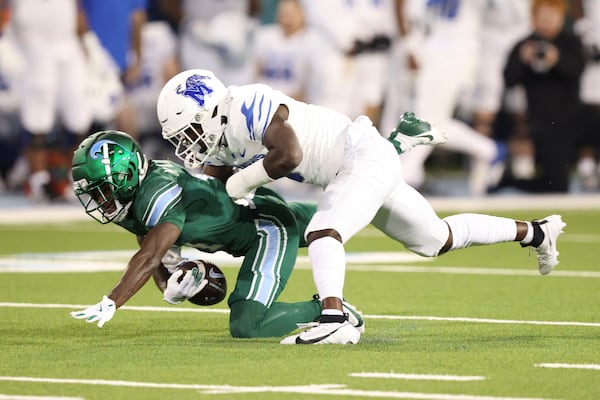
x: 286, y: 54
x: 587, y: 27
x: 12, y: 65
x: 504, y: 23
x: 159, y: 64
x: 269, y: 135
x: 54, y: 79
x: 217, y: 35
x: 448, y: 64
x: 358, y: 35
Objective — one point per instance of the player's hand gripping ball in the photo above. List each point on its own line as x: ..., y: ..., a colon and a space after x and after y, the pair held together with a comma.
x: 212, y: 293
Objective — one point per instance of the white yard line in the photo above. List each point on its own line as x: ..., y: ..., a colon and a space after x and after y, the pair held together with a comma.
x: 390, y: 317
x: 417, y: 377
x: 569, y: 366
x: 25, y: 397
x: 96, y: 261
x: 331, y: 389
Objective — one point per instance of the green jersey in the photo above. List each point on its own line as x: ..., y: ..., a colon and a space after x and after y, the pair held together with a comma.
x: 198, y: 204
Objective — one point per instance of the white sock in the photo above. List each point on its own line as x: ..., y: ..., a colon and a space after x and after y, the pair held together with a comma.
x: 331, y: 311
x: 478, y: 229
x: 328, y: 259
x: 529, y: 235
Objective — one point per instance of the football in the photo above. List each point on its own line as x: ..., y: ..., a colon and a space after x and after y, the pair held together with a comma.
x: 216, y: 289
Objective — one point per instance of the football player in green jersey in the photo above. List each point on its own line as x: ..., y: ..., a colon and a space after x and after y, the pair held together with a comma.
x: 167, y: 207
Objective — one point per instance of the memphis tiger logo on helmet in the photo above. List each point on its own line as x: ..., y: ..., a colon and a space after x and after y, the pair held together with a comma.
x: 192, y: 109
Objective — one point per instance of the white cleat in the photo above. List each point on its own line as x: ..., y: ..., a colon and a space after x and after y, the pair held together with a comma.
x: 326, y: 333
x: 354, y: 316
x: 547, y: 254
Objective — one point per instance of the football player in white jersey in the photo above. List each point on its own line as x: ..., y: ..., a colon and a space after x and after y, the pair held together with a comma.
x: 358, y: 41
x: 54, y: 78
x: 159, y: 64
x: 284, y: 53
x: 504, y: 23
x: 216, y: 34
x: 587, y: 26
x: 268, y: 135
x: 448, y: 63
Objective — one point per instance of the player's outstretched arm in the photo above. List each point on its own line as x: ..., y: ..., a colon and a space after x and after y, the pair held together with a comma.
x: 139, y: 270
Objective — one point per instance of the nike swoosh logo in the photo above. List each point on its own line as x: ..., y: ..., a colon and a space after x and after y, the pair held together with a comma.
x: 214, y: 274
x: 299, y: 340
x: 178, y: 112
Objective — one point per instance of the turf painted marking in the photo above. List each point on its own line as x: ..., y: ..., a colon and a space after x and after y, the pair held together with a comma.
x: 393, y: 317
x: 18, y: 397
x: 417, y: 377
x: 571, y: 366
x: 485, y: 320
x: 328, y: 389
x: 371, y: 261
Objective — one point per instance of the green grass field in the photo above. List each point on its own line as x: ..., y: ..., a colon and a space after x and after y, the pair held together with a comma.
x: 475, y: 324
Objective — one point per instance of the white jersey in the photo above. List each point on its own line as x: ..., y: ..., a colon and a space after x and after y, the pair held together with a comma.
x: 320, y: 131
x: 454, y: 21
x: 158, y: 47
x: 287, y: 64
x: 206, y: 9
x: 44, y: 19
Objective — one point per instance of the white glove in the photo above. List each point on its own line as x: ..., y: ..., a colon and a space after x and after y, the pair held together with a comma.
x: 191, y: 284
x: 247, y: 179
x: 101, y: 312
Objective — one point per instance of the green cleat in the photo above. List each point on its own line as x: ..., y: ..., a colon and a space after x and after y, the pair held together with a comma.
x: 411, y: 132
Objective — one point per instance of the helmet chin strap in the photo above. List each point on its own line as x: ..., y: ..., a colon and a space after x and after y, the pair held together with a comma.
x: 120, y: 212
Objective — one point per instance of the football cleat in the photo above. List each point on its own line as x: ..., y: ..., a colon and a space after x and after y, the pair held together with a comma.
x: 354, y: 316
x: 333, y: 329
x: 547, y: 254
x: 411, y: 132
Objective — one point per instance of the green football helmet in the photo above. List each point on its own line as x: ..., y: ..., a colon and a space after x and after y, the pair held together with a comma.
x: 108, y: 168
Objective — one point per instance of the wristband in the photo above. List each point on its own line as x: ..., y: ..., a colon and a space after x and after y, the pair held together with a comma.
x: 247, y: 179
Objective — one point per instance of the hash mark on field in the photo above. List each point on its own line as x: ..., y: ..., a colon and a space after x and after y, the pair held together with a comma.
x: 417, y: 377
x: 572, y: 366
x: 224, y: 311
x: 327, y: 389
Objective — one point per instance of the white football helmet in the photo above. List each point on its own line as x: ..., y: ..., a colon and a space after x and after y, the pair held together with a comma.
x: 192, y: 110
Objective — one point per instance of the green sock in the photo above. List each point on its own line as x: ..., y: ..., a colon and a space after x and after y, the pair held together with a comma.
x: 250, y: 319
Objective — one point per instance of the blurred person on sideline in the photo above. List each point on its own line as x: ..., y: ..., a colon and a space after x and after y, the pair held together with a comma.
x: 117, y: 25
x: 159, y: 64
x: 357, y: 38
x: 497, y: 112
x: 216, y: 34
x: 452, y: 32
x: 587, y: 25
x: 48, y: 34
x: 285, y: 53
x: 13, y: 166
x: 549, y: 63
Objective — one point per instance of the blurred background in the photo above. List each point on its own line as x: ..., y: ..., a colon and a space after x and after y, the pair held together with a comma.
x: 514, y: 83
